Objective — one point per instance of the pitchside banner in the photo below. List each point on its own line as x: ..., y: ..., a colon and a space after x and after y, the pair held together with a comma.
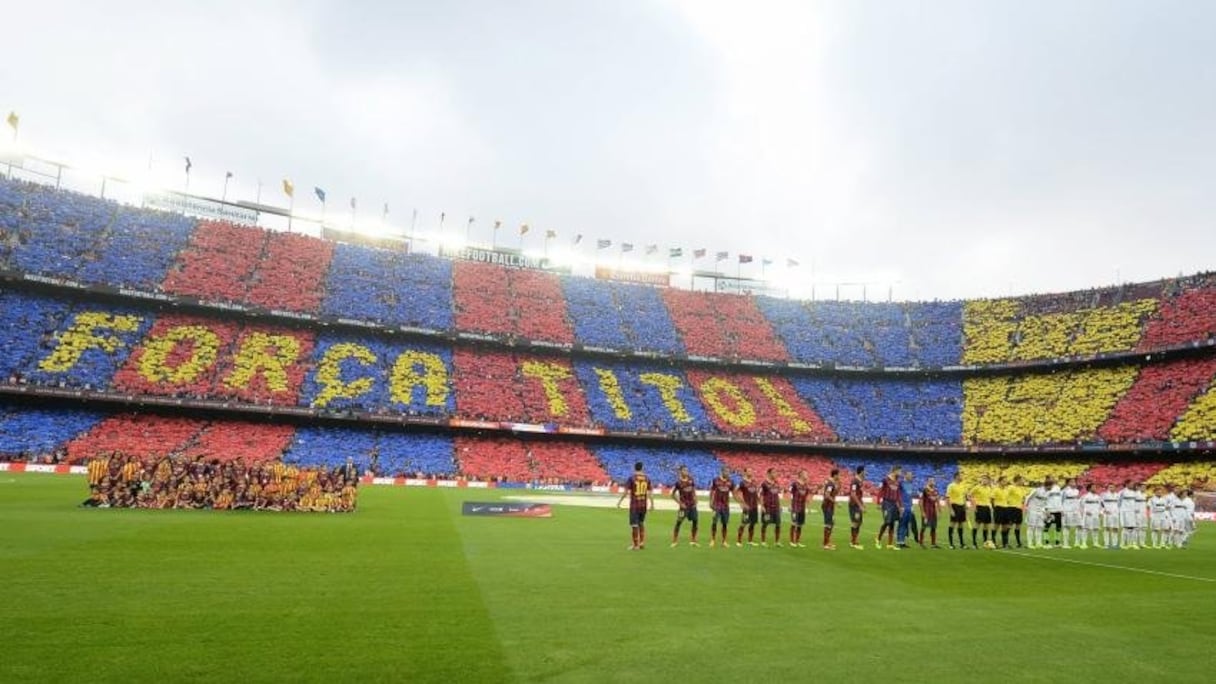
x: 644, y: 277
x: 200, y: 207
x: 516, y: 509
x: 501, y: 257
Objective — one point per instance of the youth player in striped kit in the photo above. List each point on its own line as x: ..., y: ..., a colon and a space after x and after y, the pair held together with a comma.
x: 1091, y: 516
x: 719, y: 502
x: 685, y: 495
x: 1110, y: 517
x: 800, y: 491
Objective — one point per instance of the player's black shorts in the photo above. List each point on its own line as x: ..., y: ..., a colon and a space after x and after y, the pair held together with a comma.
x: 689, y: 514
x: 1056, y: 520
x: 771, y: 517
x: 890, y: 514
x: 855, y: 514
x: 998, y: 515
x: 983, y: 515
x: 798, y: 518
x: 829, y: 515
x: 958, y: 513
x: 1015, y: 515
x: 637, y: 517
x: 722, y: 516
x: 749, y: 517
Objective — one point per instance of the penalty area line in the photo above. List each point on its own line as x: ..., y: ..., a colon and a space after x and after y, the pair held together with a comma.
x: 1113, y: 567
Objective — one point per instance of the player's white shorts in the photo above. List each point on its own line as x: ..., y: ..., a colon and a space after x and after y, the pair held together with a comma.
x: 1072, y: 518
x: 1110, y: 520
x: 1035, y: 519
x: 1177, y: 523
x: 1092, y: 521
x: 1127, y: 518
x: 1141, y: 520
x: 1160, y: 522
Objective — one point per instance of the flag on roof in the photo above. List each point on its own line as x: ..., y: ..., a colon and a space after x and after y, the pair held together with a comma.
x: 550, y: 234
x: 13, y: 121
x: 698, y: 253
x: 524, y: 228
x: 745, y: 258
x: 288, y: 188
x: 320, y: 194
x: 626, y: 247
x: 791, y: 263
x: 603, y: 244
x: 675, y: 252
x: 721, y: 256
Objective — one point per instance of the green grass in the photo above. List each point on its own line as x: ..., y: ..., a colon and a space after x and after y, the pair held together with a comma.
x: 408, y: 590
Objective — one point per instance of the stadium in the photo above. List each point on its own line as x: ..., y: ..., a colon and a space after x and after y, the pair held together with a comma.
x: 435, y: 435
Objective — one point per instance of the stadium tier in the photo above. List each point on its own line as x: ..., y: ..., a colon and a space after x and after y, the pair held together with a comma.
x: 119, y: 306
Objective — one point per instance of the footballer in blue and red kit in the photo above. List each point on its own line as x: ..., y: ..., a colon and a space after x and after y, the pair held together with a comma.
x: 685, y: 494
x: 800, y: 491
x: 857, y: 505
x: 770, y: 498
x: 928, y: 511
x: 719, y: 502
x: 748, y: 496
x: 888, y: 499
x: 828, y: 506
x: 641, y: 500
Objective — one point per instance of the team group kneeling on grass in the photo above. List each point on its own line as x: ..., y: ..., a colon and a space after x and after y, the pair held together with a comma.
x: 124, y: 481
x: 1054, y: 516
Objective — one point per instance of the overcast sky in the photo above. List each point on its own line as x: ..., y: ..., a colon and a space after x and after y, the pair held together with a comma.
x: 946, y: 149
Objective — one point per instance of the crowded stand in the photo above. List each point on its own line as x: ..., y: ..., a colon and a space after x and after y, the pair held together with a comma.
x: 723, y: 326
x: 509, y: 301
x: 866, y: 335
x: 736, y: 387
x: 69, y: 235
x: 620, y: 316
x: 389, y: 287
x: 139, y: 351
x: 887, y: 410
x: 1066, y: 406
x: 785, y: 466
x: 662, y: 465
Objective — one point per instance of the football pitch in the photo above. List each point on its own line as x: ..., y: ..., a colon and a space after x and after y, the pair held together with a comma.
x: 407, y: 589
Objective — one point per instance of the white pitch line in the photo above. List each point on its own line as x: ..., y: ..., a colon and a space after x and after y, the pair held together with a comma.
x: 1113, y: 567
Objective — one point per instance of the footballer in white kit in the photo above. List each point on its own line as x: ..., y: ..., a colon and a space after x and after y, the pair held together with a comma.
x: 1054, y: 512
x: 1141, y: 515
x: 1071, y: 509
x: 1127, y: 516
x: 1091, y: 516
x: 1110, y: 516
x: 1036, y: 516
x: 1159, y: 518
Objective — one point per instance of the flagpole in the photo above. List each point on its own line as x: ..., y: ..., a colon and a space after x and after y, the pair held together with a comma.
x: 224, y: 194
x: 468, y: 229
x: 291, y: 210
x: 413, y: 222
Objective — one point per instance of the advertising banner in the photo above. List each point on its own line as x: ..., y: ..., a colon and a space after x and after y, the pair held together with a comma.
x: 643, y: 277
x: 516, y: 509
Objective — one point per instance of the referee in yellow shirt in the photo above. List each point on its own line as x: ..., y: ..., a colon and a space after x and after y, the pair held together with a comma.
x: 981, y: 496
x: 956, y: 494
